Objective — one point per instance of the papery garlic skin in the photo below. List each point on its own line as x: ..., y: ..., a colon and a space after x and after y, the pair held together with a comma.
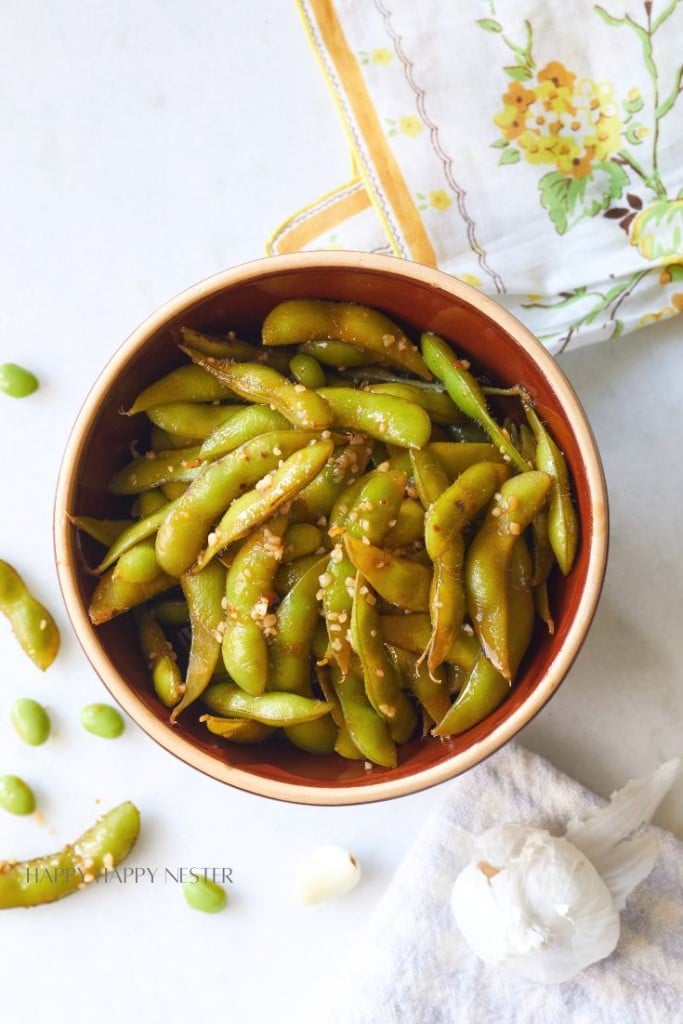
x: 534, y: 904
x: 327, y: 873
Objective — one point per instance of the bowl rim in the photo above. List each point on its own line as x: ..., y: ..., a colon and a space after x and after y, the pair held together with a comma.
x: 388, y: 788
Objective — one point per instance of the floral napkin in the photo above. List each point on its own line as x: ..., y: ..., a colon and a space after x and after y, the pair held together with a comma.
x: 535, y: 155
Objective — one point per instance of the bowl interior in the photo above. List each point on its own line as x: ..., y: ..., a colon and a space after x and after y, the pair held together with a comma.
x: 419, y: 300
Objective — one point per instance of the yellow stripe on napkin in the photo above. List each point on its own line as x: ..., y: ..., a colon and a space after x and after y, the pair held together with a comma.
x: 376, y: 162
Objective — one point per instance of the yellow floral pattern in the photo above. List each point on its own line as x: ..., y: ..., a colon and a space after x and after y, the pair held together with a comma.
x: 561, y: 120
x: 587, y: 138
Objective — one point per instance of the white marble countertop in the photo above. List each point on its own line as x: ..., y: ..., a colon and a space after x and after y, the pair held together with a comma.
x: 146, y: 146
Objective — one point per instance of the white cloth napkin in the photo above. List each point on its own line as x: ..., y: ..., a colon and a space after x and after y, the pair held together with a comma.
x: 411, y: 966
x: 535, y: 155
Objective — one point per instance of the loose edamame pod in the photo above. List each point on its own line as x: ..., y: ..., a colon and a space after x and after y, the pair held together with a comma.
x: 397, y: 580
x: 45, y: 879
x: 31, y: 622
x: 191, y: 419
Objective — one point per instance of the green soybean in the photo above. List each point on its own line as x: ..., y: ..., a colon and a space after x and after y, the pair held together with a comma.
x: 17, y: 382
x: 102, y: 720
x: 16, y: 796
x: 202, y: 894
x: 31, y: 721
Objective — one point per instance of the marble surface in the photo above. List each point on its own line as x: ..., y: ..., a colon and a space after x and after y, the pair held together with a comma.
x: 145, y: 147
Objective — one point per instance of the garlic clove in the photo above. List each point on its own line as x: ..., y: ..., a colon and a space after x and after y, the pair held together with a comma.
x: 327, y: 873
x: 534, y: 904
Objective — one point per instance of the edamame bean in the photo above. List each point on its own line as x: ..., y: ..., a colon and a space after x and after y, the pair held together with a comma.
x: 31, y: 721
x: 102, y: 720
x: 16, y: 796
x: 17, y: 382
x: 204, y: 895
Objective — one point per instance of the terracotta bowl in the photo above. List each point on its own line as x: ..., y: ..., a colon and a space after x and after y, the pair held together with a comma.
x: 420, y: 299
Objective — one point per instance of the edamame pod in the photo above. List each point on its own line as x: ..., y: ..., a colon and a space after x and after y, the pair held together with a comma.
x: 299, y: 320
x: 45, y: 879
x: 204, y: 592
x: 383, y: 417
x: 265, y: 386
x: 185, y: 384
x: 31, y: 622
x: 398, y: 580
x: 281, y: 709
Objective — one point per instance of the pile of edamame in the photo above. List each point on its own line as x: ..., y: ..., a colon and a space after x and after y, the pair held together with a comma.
x: 332, y: 537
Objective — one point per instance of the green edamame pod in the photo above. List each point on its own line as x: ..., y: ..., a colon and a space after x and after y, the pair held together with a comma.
x: 563, y: 524
x: 457, y: 456
x: 192, y: 419
x: 104, y: 531
x: 113, y: 597
x: 466, y: 392
x: 488, y: 561
x: 369, y: 732
x: 185, y: 384
x: 367, y: 509
x: 249, y: 590
x: 397, y: 580
x: 429, y: 475
x: 237, y: 730
x: 438, y: 405
x: 338, y: 354
x: 280, y: 709
x: 265, y: 386
x: 221, y: 348
x: 379, y: 674
x: 45, y: 879
x: 134, y: 533
x: 204, y: 592
x: 272, y: 491
x: 31, y: 622
x: 484, y: 689
x: 317, y: 737
x: 167, y: 679
x: 185, y: 530
x: 384, y: 417
x: 145, y: 472
x: 409, y: 526
x: 297, y: 619
x: 248, y: 422
x: 300, y: 320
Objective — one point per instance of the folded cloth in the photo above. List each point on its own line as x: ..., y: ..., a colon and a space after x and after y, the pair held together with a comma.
x: 534, y: 155
x: 411, y: 966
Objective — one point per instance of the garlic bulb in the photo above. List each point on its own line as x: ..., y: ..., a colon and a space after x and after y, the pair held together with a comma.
x: 327, y: 873
x: 537, y: 905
